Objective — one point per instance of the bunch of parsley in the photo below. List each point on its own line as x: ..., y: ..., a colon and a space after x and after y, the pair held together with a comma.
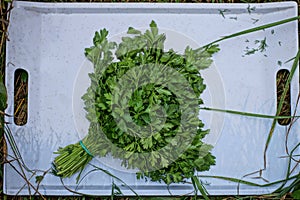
x: 146, y: 50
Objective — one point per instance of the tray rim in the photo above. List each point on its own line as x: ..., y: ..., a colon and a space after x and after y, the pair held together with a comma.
x: 44, y: 6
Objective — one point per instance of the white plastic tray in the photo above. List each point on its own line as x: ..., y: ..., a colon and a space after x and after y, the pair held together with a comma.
x: 48, y: 41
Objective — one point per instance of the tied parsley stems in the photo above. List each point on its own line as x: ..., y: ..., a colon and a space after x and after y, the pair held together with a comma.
x: 71, y: 159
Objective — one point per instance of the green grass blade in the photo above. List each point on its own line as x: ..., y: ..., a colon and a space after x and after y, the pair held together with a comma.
x: 112, y: 192
x: 11, y: 141
x: 240, y: 181
x: 200, y: 187
x: 258, y: 28
x: 195, y: 189
x: 3, y: 95
x: 248, y: 114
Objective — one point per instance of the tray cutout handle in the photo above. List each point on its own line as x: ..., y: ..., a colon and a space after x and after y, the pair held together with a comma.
x: 281, y: 80
x: 20, y: 97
